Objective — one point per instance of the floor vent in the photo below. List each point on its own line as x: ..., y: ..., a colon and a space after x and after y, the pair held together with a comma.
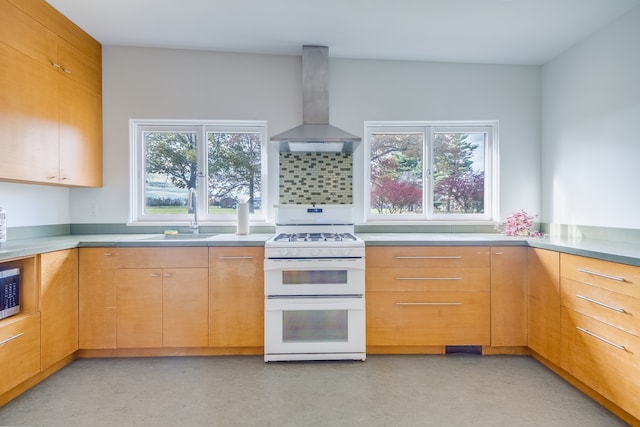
x: 465, y: 349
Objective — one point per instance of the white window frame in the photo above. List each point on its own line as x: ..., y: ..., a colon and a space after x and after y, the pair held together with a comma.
x: 202, y: 127
x: 428, y: 128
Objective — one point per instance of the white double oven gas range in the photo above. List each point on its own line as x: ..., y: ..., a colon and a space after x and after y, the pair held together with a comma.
x: 314, y: 271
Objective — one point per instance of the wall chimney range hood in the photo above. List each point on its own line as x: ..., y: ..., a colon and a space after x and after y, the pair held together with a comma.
x: 315, y: 134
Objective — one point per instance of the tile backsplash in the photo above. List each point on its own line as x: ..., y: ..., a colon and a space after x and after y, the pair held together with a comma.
x: 322, y: 178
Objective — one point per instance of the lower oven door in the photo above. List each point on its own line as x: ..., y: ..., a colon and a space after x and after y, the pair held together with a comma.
x: 333, y: 276
x: 323, y: 328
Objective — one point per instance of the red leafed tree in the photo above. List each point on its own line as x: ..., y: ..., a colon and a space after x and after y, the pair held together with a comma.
x: 463, y: 192
x: 395, y: 196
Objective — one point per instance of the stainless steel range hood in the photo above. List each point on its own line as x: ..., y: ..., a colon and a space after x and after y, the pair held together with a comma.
x: 315, y: 134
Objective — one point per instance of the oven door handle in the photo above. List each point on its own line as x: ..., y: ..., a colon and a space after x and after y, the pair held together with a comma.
x: 314, y: 304
x: 315, y: 265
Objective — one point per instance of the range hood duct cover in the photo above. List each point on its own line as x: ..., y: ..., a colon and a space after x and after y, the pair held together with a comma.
x: 315, y: 134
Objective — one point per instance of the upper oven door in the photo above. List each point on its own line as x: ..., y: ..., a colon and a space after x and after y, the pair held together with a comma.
x: 335, y: 276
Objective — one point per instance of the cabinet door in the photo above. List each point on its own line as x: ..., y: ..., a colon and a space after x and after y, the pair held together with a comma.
x: 428, y: 318
x: 185, y: 307
x: 80, y: 118
x: 59, y: 305
x: 19, y: 350
x: 139, y: 308
x: 508, y: 296
x: 97, y: 296
x: 543, y: 287
x: 28, y: 118
x: 236, y: 293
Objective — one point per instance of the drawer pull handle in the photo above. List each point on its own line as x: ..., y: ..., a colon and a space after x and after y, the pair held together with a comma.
x: 154, y: 275
x: 11, y: 338
x: 604, y: 340
x: 605, y: 276
x: 428, y: 303
x: 428, y: 278
x: 107, y: 254
x: 601, y: 304
x: 235, y: 257
x: 167, y: 275
x: 428, y: 257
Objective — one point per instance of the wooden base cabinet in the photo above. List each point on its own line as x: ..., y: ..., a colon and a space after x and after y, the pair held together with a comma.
x: 97, y: 295
x: 543, y: 296
x: 428, y: 296
x: 236, y: 288
x: 508, y: 296
x: 19, y: 350
x: 601, y: 327
x: 58, y: 305
x: 144, y: 298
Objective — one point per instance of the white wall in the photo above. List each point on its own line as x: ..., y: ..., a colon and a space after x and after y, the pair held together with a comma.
x: 364, y: 90
x: 167, y: 84
x: 29, y: 205
x: 591, y: 130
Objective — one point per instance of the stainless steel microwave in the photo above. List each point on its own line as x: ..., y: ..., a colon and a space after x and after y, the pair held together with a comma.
x: 9, y: 292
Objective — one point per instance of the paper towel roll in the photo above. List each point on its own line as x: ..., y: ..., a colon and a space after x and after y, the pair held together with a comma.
x: 243, y: 218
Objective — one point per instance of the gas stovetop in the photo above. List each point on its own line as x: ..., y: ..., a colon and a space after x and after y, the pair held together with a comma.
x: 315, y: 237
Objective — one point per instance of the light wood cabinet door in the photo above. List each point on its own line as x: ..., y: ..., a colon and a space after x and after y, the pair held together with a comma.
x: 603, y: 357
x: 58, y: 305
x: 185, y: 307
x: 28, y: 98
x: 428, y: 318
x: 80, y: 116
x: 97, y: 295
x: 543, y: 297
x: 508, y: 296
x: 138, y: 308
x: 236, y: 295
x: 19, y: 350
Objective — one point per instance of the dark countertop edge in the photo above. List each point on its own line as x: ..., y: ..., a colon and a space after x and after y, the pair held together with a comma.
x: 624, y: 253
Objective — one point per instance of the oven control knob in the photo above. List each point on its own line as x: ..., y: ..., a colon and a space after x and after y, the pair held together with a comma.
x: 283, y: 252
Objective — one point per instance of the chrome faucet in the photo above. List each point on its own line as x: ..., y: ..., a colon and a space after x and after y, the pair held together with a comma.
x: 193, y: 205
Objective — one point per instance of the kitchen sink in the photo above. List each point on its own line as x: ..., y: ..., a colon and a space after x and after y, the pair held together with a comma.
x: 175, y: 237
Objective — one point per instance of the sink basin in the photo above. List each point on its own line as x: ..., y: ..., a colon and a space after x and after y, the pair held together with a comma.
x: 174, y: 237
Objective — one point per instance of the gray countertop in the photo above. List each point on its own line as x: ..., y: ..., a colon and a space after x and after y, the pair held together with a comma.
x: 27, y: 247
x: 622, y: 252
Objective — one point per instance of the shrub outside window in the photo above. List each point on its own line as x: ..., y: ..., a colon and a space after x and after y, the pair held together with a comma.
x: 431, y: 171
x: 218, y: 164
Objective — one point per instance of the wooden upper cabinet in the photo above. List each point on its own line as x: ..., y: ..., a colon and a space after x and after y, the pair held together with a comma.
x: 50, y: 98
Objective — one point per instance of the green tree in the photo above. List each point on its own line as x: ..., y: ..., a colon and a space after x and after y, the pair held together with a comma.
x: 457, y: 187
x: 234, y: 161
x: 172, y: 154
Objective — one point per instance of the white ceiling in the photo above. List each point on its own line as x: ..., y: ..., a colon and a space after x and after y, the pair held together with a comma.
x: 477, y: 31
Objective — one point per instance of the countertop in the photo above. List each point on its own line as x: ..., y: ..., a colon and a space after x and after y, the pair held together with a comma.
x: 622, y: 252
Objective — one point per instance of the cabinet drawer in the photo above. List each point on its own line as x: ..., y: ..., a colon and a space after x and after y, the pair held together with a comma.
x: 621, y: 278
x: 428, y: 279
x: 433, y: 256
x: 428, y: 318
x: 161, y: 257
x: 603, y: 357
x: 19, y: 350
x: 609, y: 307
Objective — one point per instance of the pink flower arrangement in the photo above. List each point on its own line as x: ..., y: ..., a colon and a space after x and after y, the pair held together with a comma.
x: 519, y: 224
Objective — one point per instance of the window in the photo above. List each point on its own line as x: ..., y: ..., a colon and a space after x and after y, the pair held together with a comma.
x: 431, y: 171
x: 183, y: 167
